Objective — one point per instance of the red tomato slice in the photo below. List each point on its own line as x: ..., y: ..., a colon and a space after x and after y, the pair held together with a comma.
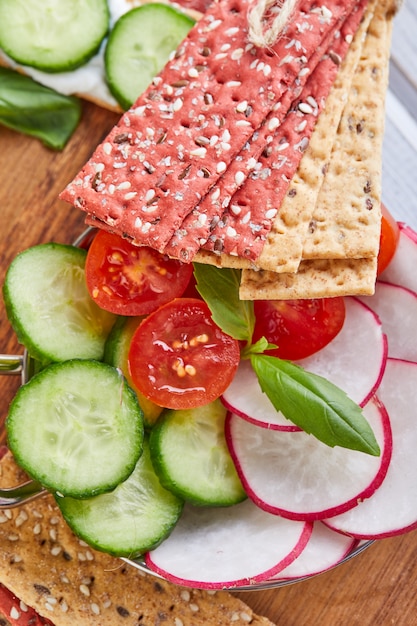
x: 298, y: 327
x: 390, y: 233
x: 179, y: 358
x: 131, y: 280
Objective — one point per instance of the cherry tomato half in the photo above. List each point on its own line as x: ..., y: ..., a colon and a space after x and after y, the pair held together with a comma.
x: 179, y: 358
x: 390, y: 233
x: 298, y: 327
x: 131, y: 280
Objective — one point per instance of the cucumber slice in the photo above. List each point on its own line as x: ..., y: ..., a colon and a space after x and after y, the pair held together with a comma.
x: 191, y: 458
x: 54, y: 35
x: 139, y: 46
x: 130, y: 520
x: 49, y: 307
x: 116, y: 352
x: 76, y: 427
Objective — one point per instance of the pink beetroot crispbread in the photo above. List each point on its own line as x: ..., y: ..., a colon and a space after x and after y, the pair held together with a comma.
x: 17, y: 612
x: 237, y: 214
x: 244, y: 225
x: 164, y: 154
x: 197, y: 225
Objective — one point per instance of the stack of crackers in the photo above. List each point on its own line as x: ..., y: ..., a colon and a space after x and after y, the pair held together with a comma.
x: 265, y: 159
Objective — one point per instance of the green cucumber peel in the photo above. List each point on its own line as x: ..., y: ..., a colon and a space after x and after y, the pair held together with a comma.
x: 309, y: 401
x: 32, y: 109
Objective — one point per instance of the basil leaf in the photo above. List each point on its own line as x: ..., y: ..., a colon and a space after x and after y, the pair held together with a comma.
x: 256, y: 348
x: 220, y: 290
x: 30, y: 108
x: 314, y: 404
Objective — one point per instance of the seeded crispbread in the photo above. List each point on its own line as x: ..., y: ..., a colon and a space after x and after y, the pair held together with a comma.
x: 61, y: 578
x: 162, y: 157
x: 283, y: 157
x: 347, y: 274
x: 282, y: 251
x: 314, y: 279
x: 249, y: 190
x: 244, y: 226
x: 347, y: 225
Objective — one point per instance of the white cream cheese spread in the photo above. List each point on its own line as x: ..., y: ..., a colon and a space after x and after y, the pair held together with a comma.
x: 89, y: 80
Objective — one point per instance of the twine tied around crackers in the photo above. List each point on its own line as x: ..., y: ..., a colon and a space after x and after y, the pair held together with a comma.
x: 259, y: 14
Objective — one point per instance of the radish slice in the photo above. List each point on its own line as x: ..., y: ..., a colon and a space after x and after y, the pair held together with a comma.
x: 297, y: 476
x: 217, y: 548
x: 353, y: 360
x: 393, y: 507
x: 325, y: 549
x: 402, y: 269
x: 245, y: 397
x: 396, y: 307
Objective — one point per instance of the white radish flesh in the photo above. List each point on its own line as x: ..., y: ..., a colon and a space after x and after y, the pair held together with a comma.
x: 402, y: 269
x: 355, y: 359
x: 295, y: 475
x: 393, y: 507
x: 245, y: 397
x: 223, y: 547
x: 325, y: 549
x: 396, y: 307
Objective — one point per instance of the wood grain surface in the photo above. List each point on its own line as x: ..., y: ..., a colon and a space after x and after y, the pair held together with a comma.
x: 377, y: 587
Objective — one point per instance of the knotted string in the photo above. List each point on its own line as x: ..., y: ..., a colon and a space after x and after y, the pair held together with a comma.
x: 259, y: 14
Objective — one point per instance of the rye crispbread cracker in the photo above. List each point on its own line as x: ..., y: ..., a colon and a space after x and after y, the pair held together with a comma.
x: 346, y: 218
x: 237, y: 213
x: 283, y: 249
x: 314, y: 279
x: 356, y: 262
x: 49, y: 569
x: 261, y: 197
x: 166, y: 151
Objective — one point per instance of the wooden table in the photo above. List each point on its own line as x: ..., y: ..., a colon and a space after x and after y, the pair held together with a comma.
x: 379, y: 587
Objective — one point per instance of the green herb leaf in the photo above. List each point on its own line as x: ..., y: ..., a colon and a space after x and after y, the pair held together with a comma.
x: 220, y: 290
x: 257, y: 348
x: 32, y: 109
x: 314, y: 404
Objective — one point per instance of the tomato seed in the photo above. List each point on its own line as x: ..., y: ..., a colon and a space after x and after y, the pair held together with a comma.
x: 198, y: 339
